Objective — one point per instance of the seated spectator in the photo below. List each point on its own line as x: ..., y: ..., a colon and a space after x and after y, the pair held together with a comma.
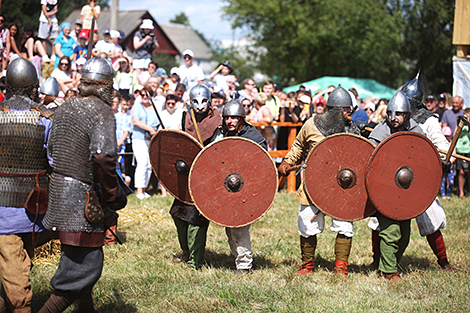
x: 13, y: 42
x: 369, y: 109
x: 63, y: 73
x: 174, y: 79
x: 125, y: 78
x: 80, y: 50
x: 77, y: 73
x: 31, y: 46
x: 380, y: 114
x: 117, y: 50
x: 63, y: 44
x: 105, y: 47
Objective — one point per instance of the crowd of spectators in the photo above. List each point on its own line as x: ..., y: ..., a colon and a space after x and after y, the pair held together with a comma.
x: 143, y: 87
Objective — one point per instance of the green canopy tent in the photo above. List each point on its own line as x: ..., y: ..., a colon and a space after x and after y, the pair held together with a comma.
x: 366, y: 87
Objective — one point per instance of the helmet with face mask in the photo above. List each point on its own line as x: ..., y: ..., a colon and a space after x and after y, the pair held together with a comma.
x: 399, y: 103
x: 197, y: 95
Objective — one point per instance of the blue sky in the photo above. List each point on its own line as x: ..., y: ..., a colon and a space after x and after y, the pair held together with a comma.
x: 204, y: 15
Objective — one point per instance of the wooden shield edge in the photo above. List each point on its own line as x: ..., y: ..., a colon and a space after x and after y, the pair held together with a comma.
x: 233, y: 138
x: 150, y: 159
x: 379, y: 146
x: 308, y: 157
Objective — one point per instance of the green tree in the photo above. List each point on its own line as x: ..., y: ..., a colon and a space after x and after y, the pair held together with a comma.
x: 180, y: 18
x: 380, y: 39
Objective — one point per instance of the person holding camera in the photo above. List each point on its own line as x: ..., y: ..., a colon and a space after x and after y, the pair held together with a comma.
x: 144, y: 44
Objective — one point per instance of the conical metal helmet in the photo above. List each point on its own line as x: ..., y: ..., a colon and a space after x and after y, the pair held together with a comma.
x: 414, y: 91
x: 234, y: 108
x: 98, y: 68
x: 50, y: 87
x: 398, y: 103
x: 339, y: 98
x: 21, y: 73
x: 197, y: 95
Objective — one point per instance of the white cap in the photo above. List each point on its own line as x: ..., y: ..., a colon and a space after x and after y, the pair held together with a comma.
x: 80, y: 61
x: 147, y: 24
x: 370, y: 105
x: 188, y: 52
x: 174, y: 71
x: 115, y: 34
x: 305, y: 99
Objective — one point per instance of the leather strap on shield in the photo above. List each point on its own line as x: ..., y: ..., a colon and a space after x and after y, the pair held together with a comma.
x: 172, y: 153
x: 233, y: 182
x: 335, y: 177
x: 404, y: 175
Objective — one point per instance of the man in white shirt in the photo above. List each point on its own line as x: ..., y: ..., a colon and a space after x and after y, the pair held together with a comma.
x: 190, y: 74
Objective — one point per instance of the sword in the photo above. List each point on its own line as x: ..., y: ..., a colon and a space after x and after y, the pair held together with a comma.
x: 155, y: 109
x: 297, y: 168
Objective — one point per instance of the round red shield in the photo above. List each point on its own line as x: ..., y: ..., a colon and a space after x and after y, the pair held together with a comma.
x: 172, y: 153
x: 335, y: 177
x: 233, y: 182
x: 404, y: 175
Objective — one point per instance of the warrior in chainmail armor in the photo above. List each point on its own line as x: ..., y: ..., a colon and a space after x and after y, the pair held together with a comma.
x: 23, y: 164
x: 190, y: 224
x: 311, y: 220
x: 83, y: 147
x: 434, y: 218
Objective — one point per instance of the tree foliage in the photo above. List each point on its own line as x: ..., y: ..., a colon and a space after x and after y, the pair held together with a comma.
x: 24, y: 12
x: 380, y: 39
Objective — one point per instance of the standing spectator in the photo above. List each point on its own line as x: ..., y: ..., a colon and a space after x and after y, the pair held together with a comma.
x: 463, y: 147
x: 304, y: 101
x: 64, y: 44
x: 262, y: 114
x: 121, y: 38
x: 441, y: 105
x: 380, y: 113
x: 80, y: 50
x: 190, y: 74
x: 171, y: 115
x: 144, y: 44
x: 248, y: 85
x: 48, y: 24
x: 88, y: 12
x: 174, y: 79
x: 179, y: 92
x: 218, y: 101
x: 63, y: 73
x: 246, y: 103
x: 448, y: 180
x: 289, y: 111
x: 153, y: 86
x: 145, y: 75
x: 221, y: 74
x: 125, y: 78
x: 232, y: 86
x: 450, y: 116
x: 273, y: 102
x: 145, y: 125
x: 370, y: 108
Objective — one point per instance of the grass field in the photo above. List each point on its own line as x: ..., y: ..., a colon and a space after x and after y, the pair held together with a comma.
x: 140, y: 276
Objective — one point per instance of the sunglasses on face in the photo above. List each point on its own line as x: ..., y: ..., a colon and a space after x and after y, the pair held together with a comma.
x: 1, y: 21
x: 64, y: 64
x: 187, y: 57
x: 143, y: 94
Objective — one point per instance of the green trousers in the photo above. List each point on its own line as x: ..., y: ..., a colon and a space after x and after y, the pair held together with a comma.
x: 192, y: 240
x: 395, y: 236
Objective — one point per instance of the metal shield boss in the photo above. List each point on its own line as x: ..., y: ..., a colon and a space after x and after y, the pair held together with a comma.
x: 233, y: 182
x: 404, y: 175
x: 335, y: 177
x: 172, y: 153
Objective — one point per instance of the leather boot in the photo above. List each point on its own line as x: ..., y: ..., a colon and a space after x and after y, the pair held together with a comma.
x: 57, y: 302
x: 342, y: 250
x: 307, y: 248
x: 86, y: 304
x: 341, y: 268
x: 306, y: 268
